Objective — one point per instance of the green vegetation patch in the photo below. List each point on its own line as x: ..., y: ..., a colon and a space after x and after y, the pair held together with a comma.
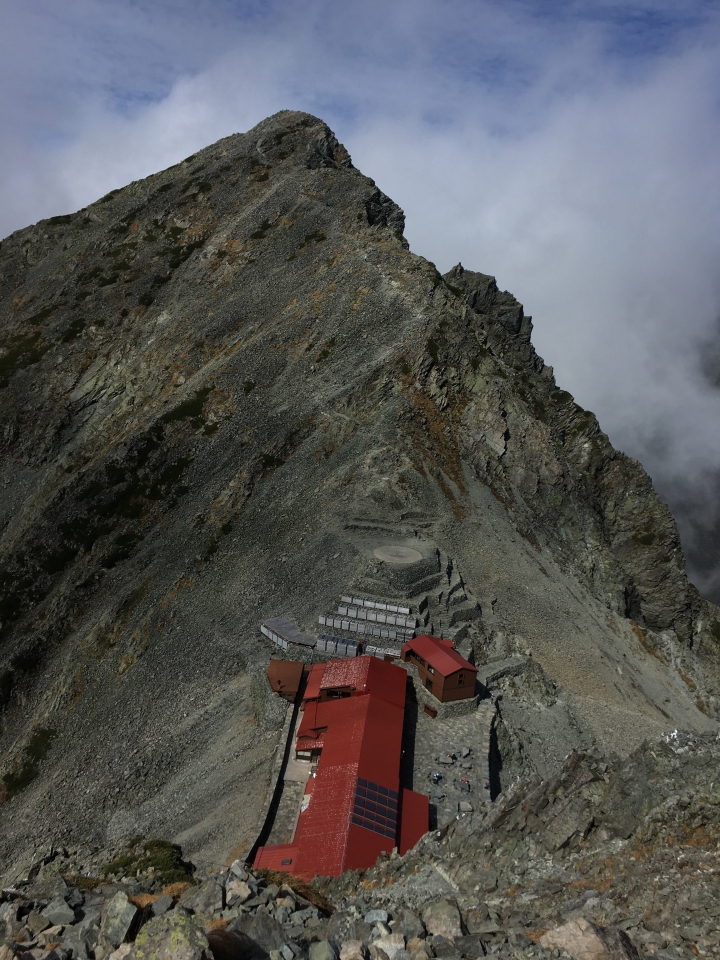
x: 271, y: 462
x: 7, y: 681
x: 260, y: 171
x: 191, y: 408
x: 432, y: 348
x: 203, y: 186
x: 33, y: 755
x: 214, y: 542
x: 20, y: 352
x: 317, y: 237
x: 325, y: 352
x: 89, y: 275
x: 57, y: 221
x: 109, y: 196
x: 646, y: 539
x: 715, y: 629
x: 163, y: 857
x: 42, y: 314
x: 122, y: 549
x: 179, y: 254
x: 261, y: 231
x: 248, y: 386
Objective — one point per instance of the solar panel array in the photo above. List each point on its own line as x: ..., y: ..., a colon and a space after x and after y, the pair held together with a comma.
x: 375, y: 808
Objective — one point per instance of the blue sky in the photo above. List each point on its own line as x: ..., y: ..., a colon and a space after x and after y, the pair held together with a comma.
x: 569, y: 148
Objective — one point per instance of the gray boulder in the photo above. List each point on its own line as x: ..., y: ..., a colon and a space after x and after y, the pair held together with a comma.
x: 58, y: 913
x: 342, y: 927
x: 376, y: 916
x: 442, y: 947
x: 36, y: 922
x: 261, y: 928
x: 204, y: 900
x: 118, y: 919
x: 443, y: 917
x: 411, y: 925
x: 471, y: 947
x: 323, y: 950
x: 238, y: 869
x: 391, y: 945
x: 173, y: 936
x: 162, y: 905
x: 589, y: 941
x: 233, y: 944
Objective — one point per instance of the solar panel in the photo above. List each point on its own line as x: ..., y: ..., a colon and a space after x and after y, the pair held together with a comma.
x: 375, y: 808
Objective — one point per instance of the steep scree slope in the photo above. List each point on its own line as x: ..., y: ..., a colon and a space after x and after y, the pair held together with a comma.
x: 216, y: 384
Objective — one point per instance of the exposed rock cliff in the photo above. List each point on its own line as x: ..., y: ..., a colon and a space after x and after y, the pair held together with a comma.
x: 220, y: 387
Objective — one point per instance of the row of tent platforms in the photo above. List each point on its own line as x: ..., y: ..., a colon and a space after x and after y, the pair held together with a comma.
x: 378, y: 616
x: 374, y: 604
x: 368, y: 618
x: 366, y: 629
x: 347, y: 647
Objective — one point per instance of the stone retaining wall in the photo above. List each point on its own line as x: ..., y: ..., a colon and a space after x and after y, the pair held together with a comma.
x: 282, y: 752
x: 445, y: 711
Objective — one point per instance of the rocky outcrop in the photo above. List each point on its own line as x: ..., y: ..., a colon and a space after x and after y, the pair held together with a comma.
x: 608, y: 859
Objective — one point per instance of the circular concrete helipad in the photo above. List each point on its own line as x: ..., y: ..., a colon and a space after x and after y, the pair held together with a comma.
x: 397, y: 554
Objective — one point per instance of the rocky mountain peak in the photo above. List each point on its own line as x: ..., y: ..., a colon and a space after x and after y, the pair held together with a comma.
x: 225, y: 388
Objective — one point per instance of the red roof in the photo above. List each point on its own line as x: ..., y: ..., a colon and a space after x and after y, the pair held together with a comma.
x: 367, y: 675
x: 415, y: 818
x: 351, y: 672
x: 312, y: 688
x: 360, y: 761
x: 285, y: 676
x: 440, y: 654
x: 279, y: 856
x: 311, y: 727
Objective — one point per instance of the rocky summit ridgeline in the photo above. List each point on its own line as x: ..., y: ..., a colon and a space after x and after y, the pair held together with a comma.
x: 230, y: 392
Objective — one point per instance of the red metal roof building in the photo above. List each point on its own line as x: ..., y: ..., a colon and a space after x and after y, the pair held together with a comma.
x: 356, y: 809
x: 312, y: 687
x: 442, y: 670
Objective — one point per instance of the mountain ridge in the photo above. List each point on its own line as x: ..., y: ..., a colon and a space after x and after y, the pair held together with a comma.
x: 212, y: 379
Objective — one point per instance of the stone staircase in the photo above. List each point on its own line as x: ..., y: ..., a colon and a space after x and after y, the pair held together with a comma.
x: 446, y: 610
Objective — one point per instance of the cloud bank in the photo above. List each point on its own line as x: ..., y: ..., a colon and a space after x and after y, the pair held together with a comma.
x: 569, y: 149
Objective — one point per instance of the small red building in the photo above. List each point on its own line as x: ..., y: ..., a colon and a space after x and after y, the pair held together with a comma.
x: 285, y: 678
x: 354, y: 808
x: 442, y: 670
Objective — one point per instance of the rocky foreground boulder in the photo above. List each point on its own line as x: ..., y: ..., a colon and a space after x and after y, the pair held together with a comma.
x: 608, y: 860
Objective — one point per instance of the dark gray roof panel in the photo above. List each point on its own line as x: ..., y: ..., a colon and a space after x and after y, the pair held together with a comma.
x: 288, y: 631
